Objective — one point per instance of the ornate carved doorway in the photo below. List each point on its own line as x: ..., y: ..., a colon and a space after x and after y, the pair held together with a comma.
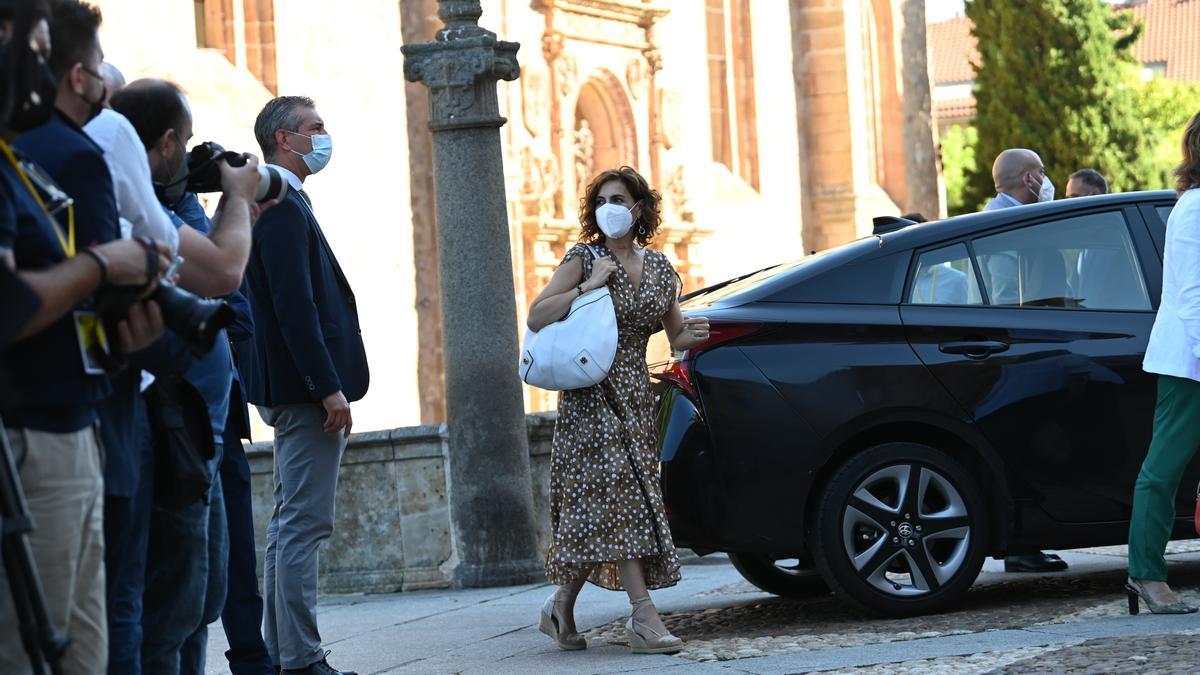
x: 605, y: 135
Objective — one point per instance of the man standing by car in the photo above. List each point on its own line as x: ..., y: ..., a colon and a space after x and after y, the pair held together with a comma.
x: 303, y: 367
x: 1086, y: 183
x: 1020, y: 179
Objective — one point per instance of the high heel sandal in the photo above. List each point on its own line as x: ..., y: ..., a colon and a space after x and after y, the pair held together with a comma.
x: 640, y: 644
x: 548, y: 623
x: 1135, y: 590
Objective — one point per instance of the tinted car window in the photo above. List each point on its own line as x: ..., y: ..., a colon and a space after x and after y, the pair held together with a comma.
x: 945, y: 276
x: 1085, y: 262
x: 1164, y: 212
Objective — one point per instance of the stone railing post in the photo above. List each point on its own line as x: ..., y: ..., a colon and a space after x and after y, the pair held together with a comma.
x: 491, y: 506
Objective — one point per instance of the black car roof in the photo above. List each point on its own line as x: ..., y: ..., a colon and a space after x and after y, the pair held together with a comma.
x: 916, y: 236
x: 809, y: 279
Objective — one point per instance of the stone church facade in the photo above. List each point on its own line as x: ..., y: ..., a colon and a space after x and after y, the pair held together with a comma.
x: 771, y: 128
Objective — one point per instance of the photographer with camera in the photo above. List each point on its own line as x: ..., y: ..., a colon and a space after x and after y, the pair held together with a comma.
x: 138, y: 209
x: 55, y: 383
x: 162, y: 117
x: 187, y: 552
x: 125, y: 420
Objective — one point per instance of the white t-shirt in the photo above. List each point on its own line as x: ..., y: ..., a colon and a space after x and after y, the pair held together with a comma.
x: 139, y: 210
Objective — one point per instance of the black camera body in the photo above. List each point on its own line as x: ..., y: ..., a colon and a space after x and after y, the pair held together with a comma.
x: 204, y: 174
x: 196, y: 320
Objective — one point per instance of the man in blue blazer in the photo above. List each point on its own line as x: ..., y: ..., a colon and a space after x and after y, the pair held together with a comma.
x: 302, y: 368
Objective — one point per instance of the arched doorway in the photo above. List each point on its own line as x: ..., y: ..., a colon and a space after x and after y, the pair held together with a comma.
x: 604, y: 134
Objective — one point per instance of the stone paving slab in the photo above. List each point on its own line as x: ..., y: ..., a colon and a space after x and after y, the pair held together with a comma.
x: 732, y: 627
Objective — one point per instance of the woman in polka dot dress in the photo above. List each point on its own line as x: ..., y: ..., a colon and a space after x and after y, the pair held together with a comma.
x: 606, y: 508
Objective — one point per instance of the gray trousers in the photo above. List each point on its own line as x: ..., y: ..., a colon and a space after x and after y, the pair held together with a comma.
x: 305, y: 482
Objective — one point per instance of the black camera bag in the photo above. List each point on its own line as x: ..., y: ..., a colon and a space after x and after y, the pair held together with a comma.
x: 183, y: 442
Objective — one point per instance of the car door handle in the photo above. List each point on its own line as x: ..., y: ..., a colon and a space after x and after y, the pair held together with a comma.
x: 975, y: 349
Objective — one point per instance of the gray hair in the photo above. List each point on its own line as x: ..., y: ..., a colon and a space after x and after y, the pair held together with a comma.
x: 282, y: 112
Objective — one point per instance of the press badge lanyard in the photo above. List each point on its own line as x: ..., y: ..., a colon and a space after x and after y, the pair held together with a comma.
x: 67, y: 242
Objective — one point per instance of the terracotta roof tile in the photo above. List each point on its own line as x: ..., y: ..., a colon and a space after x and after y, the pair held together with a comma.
x: 1170, y: 37
x: 953, y: 109
x: 1171, y: 28
x: 952, y: 50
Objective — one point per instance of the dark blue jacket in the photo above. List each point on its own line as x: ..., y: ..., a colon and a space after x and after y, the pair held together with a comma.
x: 189, y: 209
x: 77, y: 164
x: 56, y: 395
x: 307, y: 343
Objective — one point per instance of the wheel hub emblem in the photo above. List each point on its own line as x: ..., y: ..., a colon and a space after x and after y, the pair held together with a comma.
x: 904, y: 530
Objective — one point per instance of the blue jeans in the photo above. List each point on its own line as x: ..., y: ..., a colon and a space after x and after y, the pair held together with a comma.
x: 185, y: 582
x: 126, y: 536
x: 243, y: 613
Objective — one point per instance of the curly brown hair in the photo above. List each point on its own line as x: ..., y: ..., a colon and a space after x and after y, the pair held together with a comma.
x: 647, y: 198
x: 1187, y: 174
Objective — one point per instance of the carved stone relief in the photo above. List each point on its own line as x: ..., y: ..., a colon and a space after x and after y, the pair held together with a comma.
x: 675, y: 195
x: 566, y: 73
x: 535, y: 98
x: 670, y: 118
x: 540, y: 185
x: 585, y: 156
x: 637, y: 76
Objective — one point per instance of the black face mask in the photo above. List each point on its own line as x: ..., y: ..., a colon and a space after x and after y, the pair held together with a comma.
x: 94, y: 107
x: 172, y: 191
x: 33, y: 86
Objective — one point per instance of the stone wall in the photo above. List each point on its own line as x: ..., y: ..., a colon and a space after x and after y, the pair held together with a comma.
x: 392, y: 531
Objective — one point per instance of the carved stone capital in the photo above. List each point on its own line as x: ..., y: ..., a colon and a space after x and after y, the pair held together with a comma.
x: 461, y: 73
x: 654, y: 59
x: 461, y: 18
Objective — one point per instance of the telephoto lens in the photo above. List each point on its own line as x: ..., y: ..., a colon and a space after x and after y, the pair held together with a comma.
x: 204, y: 175
x: 194, y: 319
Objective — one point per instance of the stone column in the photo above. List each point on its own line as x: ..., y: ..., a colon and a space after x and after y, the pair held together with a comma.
x: 920, y: 163
x: 491, y: 502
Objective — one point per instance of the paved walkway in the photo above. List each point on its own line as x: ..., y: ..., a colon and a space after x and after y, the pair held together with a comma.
x: 1070, y: 622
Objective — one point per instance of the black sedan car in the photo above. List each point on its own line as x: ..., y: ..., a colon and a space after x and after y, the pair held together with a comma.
x: 878, y: 418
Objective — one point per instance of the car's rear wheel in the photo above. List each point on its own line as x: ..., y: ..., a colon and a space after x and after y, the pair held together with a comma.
x: 901, y: 529
x: 789, y: 577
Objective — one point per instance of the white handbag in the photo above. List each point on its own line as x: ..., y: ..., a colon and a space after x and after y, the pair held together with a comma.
x: 576, y: 351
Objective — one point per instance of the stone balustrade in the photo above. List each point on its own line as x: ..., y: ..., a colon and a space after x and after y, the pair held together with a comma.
x: 392, y: 530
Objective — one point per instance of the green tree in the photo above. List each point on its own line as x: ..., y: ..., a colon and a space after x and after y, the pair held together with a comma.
x: 958, y: 161
x: 1166, y: 107
x: 1058, y: 77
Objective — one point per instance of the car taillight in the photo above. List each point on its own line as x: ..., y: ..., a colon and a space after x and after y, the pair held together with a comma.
x: 678, y: 371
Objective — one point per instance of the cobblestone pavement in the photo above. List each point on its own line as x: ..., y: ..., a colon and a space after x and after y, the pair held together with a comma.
x: 775, y: 626
x: 1172, y: 653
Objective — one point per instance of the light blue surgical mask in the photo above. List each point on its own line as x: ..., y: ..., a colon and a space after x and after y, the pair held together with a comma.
x: 322, y: 150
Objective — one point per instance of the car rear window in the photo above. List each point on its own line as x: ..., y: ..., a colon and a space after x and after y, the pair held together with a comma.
x: 778, y: 283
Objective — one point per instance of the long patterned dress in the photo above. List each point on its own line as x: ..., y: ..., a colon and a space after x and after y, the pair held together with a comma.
x: 605, y: 497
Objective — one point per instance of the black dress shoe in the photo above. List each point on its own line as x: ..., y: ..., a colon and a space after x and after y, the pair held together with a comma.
x: 321, y: 667
x: 1034, y: 562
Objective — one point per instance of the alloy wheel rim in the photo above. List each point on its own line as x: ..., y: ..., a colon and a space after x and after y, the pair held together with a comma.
x: 906, y: 530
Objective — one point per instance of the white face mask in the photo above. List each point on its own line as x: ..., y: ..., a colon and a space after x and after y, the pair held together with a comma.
x: 322, y: 150
x: 614, y: 220
x: 1045, y: 192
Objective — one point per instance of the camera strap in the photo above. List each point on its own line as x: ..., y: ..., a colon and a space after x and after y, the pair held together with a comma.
x: 67, y: 241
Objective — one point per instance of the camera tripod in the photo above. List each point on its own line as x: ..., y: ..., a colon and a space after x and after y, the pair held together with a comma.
x: 43, y: 644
